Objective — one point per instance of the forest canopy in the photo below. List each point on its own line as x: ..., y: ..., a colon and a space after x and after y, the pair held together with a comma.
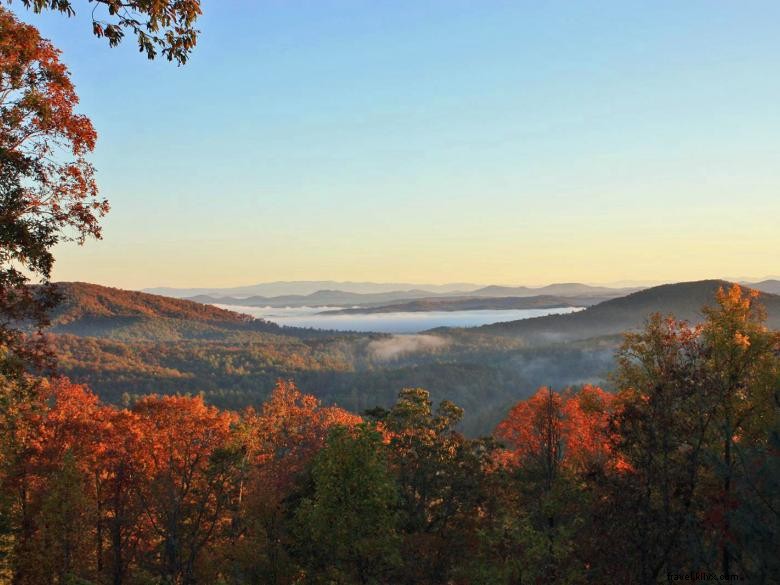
x: 677, y: 470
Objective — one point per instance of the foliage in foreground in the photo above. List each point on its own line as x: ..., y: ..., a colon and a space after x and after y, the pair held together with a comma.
x: 677, y: 472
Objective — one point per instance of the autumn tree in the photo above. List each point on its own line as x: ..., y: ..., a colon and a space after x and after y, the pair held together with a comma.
x: 48, y: 192
x: 166, y: 26
x: 534, y: 433
x: 53, y: 511
x: 440, y: 474
x: 744, y: 385
x: 281, y: 440
x: 697, y: 412
x: 553, y: 441
x: 62, y: 551
x: 347, y: 527
x: 189, y: 478
x: 649, y: 506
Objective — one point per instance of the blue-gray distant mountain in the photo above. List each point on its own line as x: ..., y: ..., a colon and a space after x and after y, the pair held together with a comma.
x: 307, y: 287
x: 397, y: 290
x: 320, y: 298
x: 566, y: 289
x: 577, y: 295
x: 768, y: 286
x: 471, y: 304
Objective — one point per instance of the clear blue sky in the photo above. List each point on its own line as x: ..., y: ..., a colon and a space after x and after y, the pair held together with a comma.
x: 433, y: 141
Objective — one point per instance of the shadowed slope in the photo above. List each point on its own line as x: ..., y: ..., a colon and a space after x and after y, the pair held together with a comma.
x: 684, y: 300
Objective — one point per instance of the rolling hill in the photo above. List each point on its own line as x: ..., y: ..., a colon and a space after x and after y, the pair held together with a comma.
x: 91, y: 310
x: 684, y: 300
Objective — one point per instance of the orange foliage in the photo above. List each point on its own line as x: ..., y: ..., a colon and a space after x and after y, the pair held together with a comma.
x: 570, y: 427
x: 161, y: 481
x: 289, y: 429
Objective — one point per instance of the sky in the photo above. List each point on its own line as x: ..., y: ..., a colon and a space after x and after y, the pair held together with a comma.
x: 436, y: 141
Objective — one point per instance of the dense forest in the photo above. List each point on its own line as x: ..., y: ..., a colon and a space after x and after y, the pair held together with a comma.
x: 675, y: 473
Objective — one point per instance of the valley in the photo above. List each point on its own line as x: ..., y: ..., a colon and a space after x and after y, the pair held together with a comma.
x: 128, y: 344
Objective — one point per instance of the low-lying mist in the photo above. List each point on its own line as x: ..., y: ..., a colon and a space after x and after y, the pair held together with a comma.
x: 397, y: 346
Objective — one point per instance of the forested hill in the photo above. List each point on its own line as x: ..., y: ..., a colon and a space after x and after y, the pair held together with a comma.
x: 100, y: 311
x: 684, y: 300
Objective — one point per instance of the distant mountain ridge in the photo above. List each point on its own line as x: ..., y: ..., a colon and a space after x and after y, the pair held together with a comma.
x: 97, y: 311
x: 564, y: 289
x: 684, y: 300
x: 86, y: 299
x: 340, y: 298
x: 307, y: 287
x: 771, y: 286
x: 471, y: 304
x: 320, y: 298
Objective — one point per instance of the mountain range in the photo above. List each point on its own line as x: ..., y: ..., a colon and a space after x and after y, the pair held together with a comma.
x: 303, y: 288
x: 307, y: 287
x: 470, y: 304
x: 585, y: 294
x: 91, y: 310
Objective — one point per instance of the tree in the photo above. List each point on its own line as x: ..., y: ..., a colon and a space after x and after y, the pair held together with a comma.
x: 166, y: 26
x: 441, y: 476
x: 347, y: 527
x: 281, y: 441
x: 290, y: 428
x: 62, y: 549
x: 48, y: 192
x: 53, y: 511
x: 650, y: 505
x: 744, y: 387
x: 190, y: 471
x: 694, y: 485
x: 554, y: 442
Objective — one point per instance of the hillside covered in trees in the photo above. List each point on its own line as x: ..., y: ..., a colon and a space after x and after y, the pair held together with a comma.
x: 685, y: 300
x: 676, y: 468
x: 129, y: 344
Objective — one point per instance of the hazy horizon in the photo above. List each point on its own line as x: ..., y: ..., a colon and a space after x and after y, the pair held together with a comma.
x: 435, y: 141
x: 289, y: 287
x: 445, y: 286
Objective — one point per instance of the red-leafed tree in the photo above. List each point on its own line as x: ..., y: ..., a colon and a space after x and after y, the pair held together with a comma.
x: 189, y: 470
x: 551, y: 430
x: 289, y: 429
x: 554, y: 441
x: 48, y: 192
x: 281, y: 439
x: 166, y: 26
x: 50, y: 475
